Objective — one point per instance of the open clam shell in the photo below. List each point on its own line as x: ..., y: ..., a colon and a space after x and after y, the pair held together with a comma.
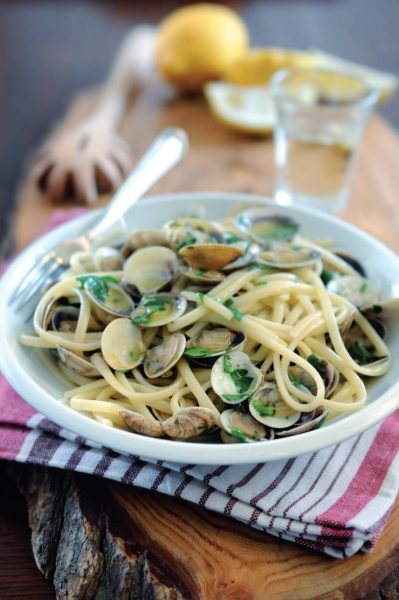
x: 190, y: 230
x: 139, y: 424
x: 143, y: 238
x: 288, y: 256
x: 356, y: 289
x: 265, y: 226
x: 214, y: 341
x: 250, y: 255
x: 150, y: 269
x: 76, y: 363
x: 65, y: 318
x: 234, y: 378
x: 243, y: 426
x: 159, y: 309
x: 307, y: 422
x: 122, y: 346
x: 108, y: 295
x: 106, y: 258
x: 203, y: 277
x: 189, y: 422
x: 210, y: 256
x: 268, y: 407
x: 163, y: 357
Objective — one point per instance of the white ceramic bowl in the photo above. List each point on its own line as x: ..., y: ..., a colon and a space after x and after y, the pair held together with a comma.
x: 36, y: 385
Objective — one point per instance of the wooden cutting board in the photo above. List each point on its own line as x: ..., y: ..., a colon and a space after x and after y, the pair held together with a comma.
x: 189, y: 549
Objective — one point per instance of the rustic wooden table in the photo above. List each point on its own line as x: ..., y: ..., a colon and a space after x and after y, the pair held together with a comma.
x: 162, y: 546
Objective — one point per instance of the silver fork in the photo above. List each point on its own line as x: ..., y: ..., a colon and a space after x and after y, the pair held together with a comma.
x: 167, y: 150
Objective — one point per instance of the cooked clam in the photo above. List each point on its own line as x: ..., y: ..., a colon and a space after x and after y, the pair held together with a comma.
x: 150, y: 269
x: 106, y: 293
x: 352, y: 262
x: 189, y: 230
x: 122, y: 346
x: 106, y: 258
x: 264, y: 226
x: 243, y: 426
x: 359, y: 291
x: 210, y: 256
x: 268, y: 407
x: 76, y: 363
x: 288, y: 256
x: 159, y: 309
x: 189, y: 422
x: 359, y: 346
x: 139, y: 424
x: 214, y: 341
x: 209, y: 277
x: 382, y: 316
x: 143, y: 238
x: 65, y: 318
x: 250, y: 255
x: 234, y: 378
x: 301, y: 378
x: 163, y: 357
x: 307, y: 422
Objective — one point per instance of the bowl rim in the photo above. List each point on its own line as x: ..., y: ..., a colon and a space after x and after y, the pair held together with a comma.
x: 171, y: 450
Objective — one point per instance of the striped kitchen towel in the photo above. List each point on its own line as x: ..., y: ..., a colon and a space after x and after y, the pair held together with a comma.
x: 334, y: 501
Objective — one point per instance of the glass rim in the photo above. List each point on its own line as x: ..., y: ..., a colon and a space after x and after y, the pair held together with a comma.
x: 369, y: 99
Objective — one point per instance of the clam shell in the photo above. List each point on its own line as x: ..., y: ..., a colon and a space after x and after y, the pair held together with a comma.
x: 159, y: 309
x: 150, y: 269
x: 106, y: 258
x: 121, y: 345
x: 189, y: 422
x: 242, y: 426
x: 264, y: 226
x: 143, y: 238
x: 108, y: 296
x: 234, y: 378
x: 214, y: 341
x: 287, y: 256
x: 139, y: 424
x: 210, y: 256
x: 308, y: 422
x: 268, y: 395
x: 210, y: 277
x: 356, y: 289
x: 163, y: 357
x: 76, y: 363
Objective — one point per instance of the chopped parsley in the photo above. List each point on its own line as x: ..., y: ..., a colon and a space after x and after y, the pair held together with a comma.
x: 315, y: 362
x: 232, y: 239
x: 198, y: 272
x: 363, y: 287
x: 294, y: 381
x: 201, y: 297
x: 197, y: 352
x: 98, y: 286
x: 236, y: 313
x: 258, y: 265
x: 240, y: 377
x: 377, y: 309
x: 235, y: 432
x: 263, y: 409
x: 258, y: 283
x: 360, y: 352
x: 326, y: 276
x: 148, y: 307
x: 187, y: 241
x: 233, y: 398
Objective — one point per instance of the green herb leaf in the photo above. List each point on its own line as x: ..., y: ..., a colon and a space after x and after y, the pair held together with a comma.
x: 238, y: 434
x: 360, y: 352
x: 315, y: 362
x: 201, y: 297
x: 232, y: 239
x: 98, y: 286
x: 258, y: 283
x: 363, y: 287
x: 262, y: 409
x: 198, y: 272
x: 294, y: 381
x: 241, y: 380
x: 233, y: 397
x: 148, y: 307
x: 187, y: 241
x: 197, y: 352
x: 227, y: 365
x: 377, y: 309
x: 229, y: 302
x: 326, y: 276
x: 236, y: 313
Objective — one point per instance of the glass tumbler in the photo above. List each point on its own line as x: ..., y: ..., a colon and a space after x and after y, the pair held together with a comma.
x: 321, y: 116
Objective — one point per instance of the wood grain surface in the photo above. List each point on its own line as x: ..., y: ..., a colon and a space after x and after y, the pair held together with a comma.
x: 221, y: 558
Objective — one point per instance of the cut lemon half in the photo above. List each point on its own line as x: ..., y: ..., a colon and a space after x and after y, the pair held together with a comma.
x: 385, y: 83
x: 257, y: 66
x: 246, y: 109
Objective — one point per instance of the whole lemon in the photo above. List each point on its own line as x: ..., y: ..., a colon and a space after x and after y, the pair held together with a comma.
x: 195, y: 44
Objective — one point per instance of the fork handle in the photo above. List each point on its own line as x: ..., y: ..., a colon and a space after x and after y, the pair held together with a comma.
x: 166, y: 151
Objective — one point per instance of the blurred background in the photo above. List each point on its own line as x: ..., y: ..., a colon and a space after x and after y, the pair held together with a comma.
x: 51, y: 50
